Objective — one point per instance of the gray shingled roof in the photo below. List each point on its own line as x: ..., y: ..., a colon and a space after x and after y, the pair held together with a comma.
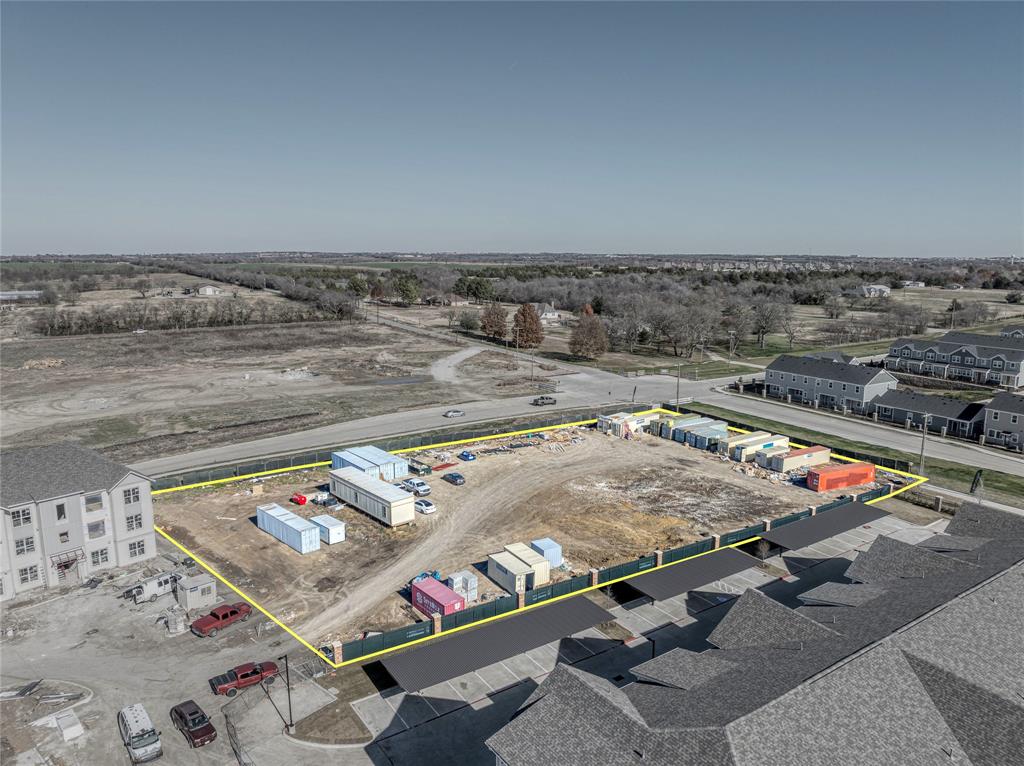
x: 857, y: 374
x: 29, y: 474
x: 974, y: 520
x: 951, y: 543
x: 982, y: 346
x: 851, y: 698
x: 832, y: 355
x: 683, y: 669
x: 891, y: 559
x: 1007, y: 402
x: 942, y: 406
x: 842, y: 594
x: 757, y: 620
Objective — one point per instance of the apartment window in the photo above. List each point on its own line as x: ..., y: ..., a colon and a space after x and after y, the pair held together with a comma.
x: 93, y: 502
x: 1013, y: 419
x: 136, y: 549
x: 24, y: 545
x: 97, y: 529
x: 805, y: 381
x: 21, y: 517
x: 856, y: 389
x: 992, y: 433
x: 844, y: 386
x: 100, y: 557
x: 131, y: 495
x: 995, y: 416
x: 135, y: 522
x: 905, y: 352
x: 64, y: 537
x: 956, y: 360
x: 997, y: 364
x: 62, y: 512
x: 28, y: 574
x: 830, y: 384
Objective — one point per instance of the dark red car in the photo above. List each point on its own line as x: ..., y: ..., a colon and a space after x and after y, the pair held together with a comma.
x: 220, y: 617
x: 191, y: 721
x: 249, y: 674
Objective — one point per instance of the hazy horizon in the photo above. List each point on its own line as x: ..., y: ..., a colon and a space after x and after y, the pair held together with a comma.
x: 661, y: 129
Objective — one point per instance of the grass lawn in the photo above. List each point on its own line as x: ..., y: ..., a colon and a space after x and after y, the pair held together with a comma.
x: 1000, y: 487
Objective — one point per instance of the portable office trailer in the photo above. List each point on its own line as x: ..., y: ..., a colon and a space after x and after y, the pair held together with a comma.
x: 622, y: 424
x: 801, y: 458
x: 668, y: 423
x: 744, y: 453
x: 549, y: 549
x: 829, y: 477
x: 465, y: 583
x: 294, y: 531
x: 197, y: 592
x: 332, y: 530
x: 725, y: 446
x: 541, y: 566
x: 680, y: 430
x: 385, y: 502
x: 433, y: 597
x: 718, y: 426
x: 763, y: 457
x: 508, y: 571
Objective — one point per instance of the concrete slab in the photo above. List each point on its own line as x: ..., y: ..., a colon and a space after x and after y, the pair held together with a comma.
x: 413, y: 708
x: 443, y: 698
x: 497, y: 676
x: 633, y: 622
x: 912, y: 535
x: 571, y: 651
x: 522, y: 667
x: 471, y: 686
x: 652, y: 614
x: 379, y: 717
x: 545, y: 656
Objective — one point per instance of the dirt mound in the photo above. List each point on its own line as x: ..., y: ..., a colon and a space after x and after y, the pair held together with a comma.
x: 42, y: 364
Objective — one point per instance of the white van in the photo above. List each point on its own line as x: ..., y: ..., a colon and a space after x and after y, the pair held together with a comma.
x: 140, y: 739
x: 152, y: 588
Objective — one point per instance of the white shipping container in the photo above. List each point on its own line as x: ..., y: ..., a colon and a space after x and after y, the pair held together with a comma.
x: 764, y: 457
x: 508, y: 571
x: 541, y: 566
x: 332, y: 530
x: 294, y: 531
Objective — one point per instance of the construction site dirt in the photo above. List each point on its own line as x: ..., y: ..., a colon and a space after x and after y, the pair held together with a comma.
x: 604, y: 499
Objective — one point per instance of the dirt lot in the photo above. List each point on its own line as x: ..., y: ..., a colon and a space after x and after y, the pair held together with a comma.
x: 604, y: 499
x: 167, y: 392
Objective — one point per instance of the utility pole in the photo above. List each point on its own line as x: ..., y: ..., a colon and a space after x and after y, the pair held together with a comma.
x: 924, y: 433
x: 679, y: 372
x: 288, y: 686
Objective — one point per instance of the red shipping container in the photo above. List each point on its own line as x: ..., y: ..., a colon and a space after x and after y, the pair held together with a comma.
x: 830, y: 477
x: 433, y: 597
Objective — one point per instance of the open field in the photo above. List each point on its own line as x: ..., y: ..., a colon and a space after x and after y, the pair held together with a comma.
x: 604, y: 499
x: 165, y: 392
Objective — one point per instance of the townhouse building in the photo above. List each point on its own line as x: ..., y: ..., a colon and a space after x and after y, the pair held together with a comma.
x: 1004, y: 421
x: 69, y: 512
x: 835, y: 385
x: 992, y: 360
x: 943, y: 414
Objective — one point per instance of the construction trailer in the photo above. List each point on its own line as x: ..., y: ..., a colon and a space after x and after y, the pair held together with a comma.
x: 508, y: 571
x: 332, y: 530
x: 384, y: 502
x: 829, y: 477
x: 680, y: 430
x: 540, y: 566
x: 725, y: 446
x: 292, y: 530
x: 372, y: 461
x: 744, y: 453
x: 196, y: 592
x: 808, y: 457
x: 763, y: 457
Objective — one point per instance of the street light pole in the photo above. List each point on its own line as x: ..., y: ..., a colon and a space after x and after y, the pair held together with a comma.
x: 924, y: 433
x: 288, y: 686
x: 679, y: 372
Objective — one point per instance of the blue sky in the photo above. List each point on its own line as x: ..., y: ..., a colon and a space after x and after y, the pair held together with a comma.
x: 883, y: 129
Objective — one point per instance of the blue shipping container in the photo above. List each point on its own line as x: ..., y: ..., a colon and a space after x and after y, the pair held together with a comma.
x: 294, y: 531
x: 680, y: 431
x: 549, y: 549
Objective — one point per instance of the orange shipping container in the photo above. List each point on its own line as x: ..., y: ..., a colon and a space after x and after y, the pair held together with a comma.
x: 830, y: 477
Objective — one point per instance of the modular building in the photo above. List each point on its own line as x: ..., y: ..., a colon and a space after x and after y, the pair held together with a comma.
x: 508, y: 571
x: 372, y: 461
x: 541, y: 566
x: 725, y: 446
x: 829, y: 477
x: 332, y: 530
x: 384, y: 502
x: 549, y: 549
x: 431, y: 597
x: 680, y: 430
x: 294, y: 531
x: 744, y: 452
x: 667, y: 424
x: 465, y: 583
x: 763, y: 457
x: 801, y: 458
x: 718, y: 428
x: 198, y: 592
x: 623, y: 424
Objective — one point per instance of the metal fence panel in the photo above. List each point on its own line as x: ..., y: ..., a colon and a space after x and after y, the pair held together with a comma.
x: 790, y: 519
x: 742, y: 534
x: 834, y: 504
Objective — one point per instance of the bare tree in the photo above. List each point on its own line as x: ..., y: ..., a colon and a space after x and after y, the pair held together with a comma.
x: 142, y: 287
x: 451, y: 314
x: 767, y: 314
x: 835, y: 306
x: 789, y: 324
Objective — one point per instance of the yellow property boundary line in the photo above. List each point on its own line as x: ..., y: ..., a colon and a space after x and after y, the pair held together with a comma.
x: 335, y: 664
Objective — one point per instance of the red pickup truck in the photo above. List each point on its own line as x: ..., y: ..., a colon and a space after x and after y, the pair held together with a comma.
x: 220, y: 617
x: 249, y: 674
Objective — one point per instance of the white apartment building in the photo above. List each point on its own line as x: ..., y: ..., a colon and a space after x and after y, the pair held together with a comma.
x: 69, y: 512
